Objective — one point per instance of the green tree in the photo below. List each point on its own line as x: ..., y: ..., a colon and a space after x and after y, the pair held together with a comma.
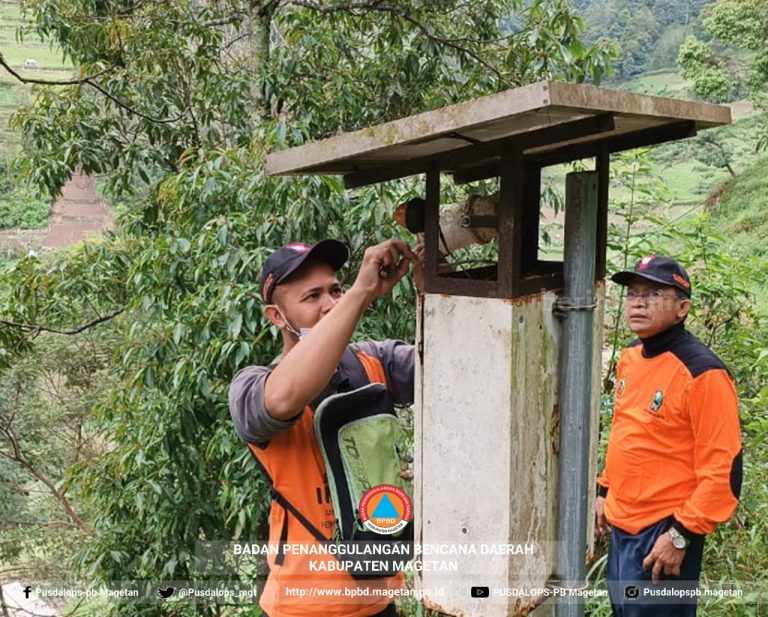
x: 710, y: 76
x: 739, y: 25
x: 45, y: 432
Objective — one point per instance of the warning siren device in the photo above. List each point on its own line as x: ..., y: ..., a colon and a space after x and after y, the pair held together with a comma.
x: 461, y: 224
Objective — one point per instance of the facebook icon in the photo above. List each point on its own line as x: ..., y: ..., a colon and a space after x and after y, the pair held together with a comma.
x: 27, y: 590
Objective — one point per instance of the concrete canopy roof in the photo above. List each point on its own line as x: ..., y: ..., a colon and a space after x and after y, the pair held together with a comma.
x: 550, y: 122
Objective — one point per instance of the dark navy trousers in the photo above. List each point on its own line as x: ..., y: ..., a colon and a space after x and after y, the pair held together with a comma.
x: 630, y: 587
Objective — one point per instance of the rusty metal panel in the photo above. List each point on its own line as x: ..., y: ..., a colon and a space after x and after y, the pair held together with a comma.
x: 455, y: 159
x: 583, y: 96
x: 513, y: 112
x: 486, y: 437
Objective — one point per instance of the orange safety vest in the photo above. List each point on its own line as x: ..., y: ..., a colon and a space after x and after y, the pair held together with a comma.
x: 304, y: 585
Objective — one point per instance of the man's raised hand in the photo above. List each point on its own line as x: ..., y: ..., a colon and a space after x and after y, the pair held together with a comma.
x: 383, y: 266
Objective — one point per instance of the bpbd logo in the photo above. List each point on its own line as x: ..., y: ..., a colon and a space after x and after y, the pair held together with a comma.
x: 385, y: 509
x: 657, y: 402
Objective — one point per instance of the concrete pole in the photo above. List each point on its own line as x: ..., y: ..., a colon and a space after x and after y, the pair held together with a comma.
x: 577, y: 307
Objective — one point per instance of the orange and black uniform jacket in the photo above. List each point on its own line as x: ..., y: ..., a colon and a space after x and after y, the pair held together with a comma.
x: 675, y: 445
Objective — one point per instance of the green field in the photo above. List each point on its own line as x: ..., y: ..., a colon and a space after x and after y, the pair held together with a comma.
x: 9, y: 11
x: 16, y: 53
x: 687, y: 179
x: 12, y: 92
x: 19, y: 207
x: 666, y: 82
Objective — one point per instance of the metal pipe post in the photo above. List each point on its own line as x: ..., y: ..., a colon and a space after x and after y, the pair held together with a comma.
x: 577, y: 307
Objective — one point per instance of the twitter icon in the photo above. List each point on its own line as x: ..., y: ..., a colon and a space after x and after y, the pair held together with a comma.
x: 166, y: 593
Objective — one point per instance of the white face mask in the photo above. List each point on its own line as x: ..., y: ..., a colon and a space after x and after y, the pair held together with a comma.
x: 299, y: 334
x: 303, y: 332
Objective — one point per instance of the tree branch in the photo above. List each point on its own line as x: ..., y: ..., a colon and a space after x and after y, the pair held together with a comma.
x: 725, y: 155
x: 90, y: 82
x: 49, y: 82
x: 3, y: 605
x: 19, y: 457
x: 235, y: 18
x: 38, y: 328
x: 375, y: 5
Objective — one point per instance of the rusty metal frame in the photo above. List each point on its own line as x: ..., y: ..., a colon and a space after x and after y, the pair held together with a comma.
x: 576, y: 151
x: 602, y: 166
x: 519, y: 271
x: 433, y: 281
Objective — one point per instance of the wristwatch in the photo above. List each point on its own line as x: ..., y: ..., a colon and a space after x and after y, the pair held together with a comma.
x: 679, y: 541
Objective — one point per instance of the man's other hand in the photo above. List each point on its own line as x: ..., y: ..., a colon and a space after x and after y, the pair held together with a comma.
x: 601, y: 523
x: 664, y: 558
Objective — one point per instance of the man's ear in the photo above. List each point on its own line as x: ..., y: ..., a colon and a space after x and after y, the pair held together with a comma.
x: 274, y: 315
x: 685, y: 306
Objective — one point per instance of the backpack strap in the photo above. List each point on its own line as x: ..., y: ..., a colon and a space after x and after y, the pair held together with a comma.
x: 351, y: 375
x: 279, y: 498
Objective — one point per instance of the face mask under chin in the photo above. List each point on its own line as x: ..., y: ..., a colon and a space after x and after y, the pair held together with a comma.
x: 303, y: 332
x: 299, y: 334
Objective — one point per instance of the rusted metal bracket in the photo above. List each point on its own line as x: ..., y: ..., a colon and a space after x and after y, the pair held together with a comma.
x: 563, y: 306
x: 476, y: 220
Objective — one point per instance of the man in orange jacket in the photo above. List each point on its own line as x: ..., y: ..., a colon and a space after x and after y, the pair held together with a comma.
x: 673, y: 466
x: 272, y: 408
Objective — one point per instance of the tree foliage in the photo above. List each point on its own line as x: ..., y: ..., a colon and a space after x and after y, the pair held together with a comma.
x: 711, y: 78
x: 647, y: 32
x: 739, y: 25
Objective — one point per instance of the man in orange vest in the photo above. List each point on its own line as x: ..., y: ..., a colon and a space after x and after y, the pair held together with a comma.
x: 673, y: 465
x: 272, y: 408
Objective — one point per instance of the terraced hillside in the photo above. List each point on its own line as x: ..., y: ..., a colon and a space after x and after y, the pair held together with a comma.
x: 16, y: 50
x: 27, y: 222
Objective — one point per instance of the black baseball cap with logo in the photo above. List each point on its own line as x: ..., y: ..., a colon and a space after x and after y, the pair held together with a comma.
x: 286, y: 260
x: 658, y: 269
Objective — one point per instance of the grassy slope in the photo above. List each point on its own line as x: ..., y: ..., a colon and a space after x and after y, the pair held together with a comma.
x: 742, y: 213
x: 688, y: 180
x: 15, y: 51
x: 18, y: 207
x: 743, y: 208
x: 664, y: 82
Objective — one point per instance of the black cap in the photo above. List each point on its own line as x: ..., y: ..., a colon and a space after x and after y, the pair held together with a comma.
x: 658, y: 269
x: 285, y: 261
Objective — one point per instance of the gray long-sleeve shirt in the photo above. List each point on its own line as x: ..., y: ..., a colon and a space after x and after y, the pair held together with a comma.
x: 253, y: 422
